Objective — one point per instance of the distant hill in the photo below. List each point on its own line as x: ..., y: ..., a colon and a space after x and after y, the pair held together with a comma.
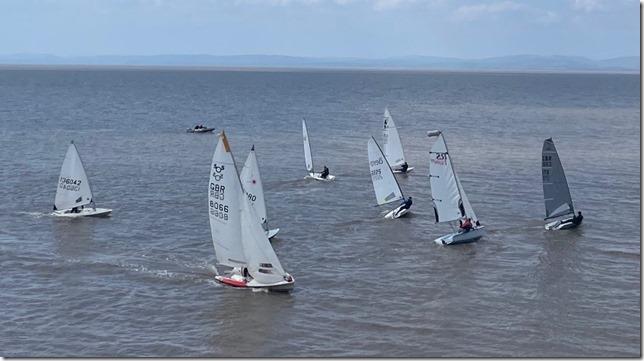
x: 513, y: 62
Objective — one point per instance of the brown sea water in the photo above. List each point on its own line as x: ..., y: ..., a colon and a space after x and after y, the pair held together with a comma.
x: 141, y: 282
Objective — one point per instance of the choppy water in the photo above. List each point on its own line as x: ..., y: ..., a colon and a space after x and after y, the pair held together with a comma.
x: 141, y: 283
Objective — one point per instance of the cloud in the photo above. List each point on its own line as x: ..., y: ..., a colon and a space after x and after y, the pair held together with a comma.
x: 588, y: 5
x: 471, y: 12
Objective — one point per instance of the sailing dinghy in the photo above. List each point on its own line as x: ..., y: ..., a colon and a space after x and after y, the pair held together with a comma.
x: 252, y: 184
x: 239, y: 240
x: 73, y: 192
x: 449, y: 198
x: 556, y: 194
x: 392, y: 145
x: 385, y: 184
x: 309, y: 160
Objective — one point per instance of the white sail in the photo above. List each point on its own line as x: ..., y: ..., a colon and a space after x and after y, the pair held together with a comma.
x: 391, y: 144
x: 73, y: 187
x: 556, y: 194
x: 469, y: 211
x: 445, y: 190
x: 252, y: 183
x: 385, y: 184
x: 224, y: 192
x: 262, y: 261
x: 307, y: 148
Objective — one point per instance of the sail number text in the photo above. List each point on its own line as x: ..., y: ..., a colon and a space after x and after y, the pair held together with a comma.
x: 69, y: 184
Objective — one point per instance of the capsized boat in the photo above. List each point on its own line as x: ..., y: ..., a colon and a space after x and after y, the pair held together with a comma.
x: 73, y: 195
x: 240, y: 242
x: 448, y: 196
x: 308, y: 159
x: 556, y: 194
x: 385, y: 184
x: 392, y: 146
x: 252, y: 184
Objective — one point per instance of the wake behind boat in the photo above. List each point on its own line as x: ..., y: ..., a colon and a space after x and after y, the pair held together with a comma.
x: 308, y: 159
x: 384, y: 182
x: 556, y: 194
x: 238, y: 238
x: 73, y: 192
x: 392, y: 146
x: 449, y: 198
x: 252, y: 184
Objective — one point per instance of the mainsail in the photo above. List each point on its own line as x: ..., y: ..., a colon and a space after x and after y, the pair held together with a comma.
x: 224, y: 192
x: 444, y: 184
x: 73, y: 187
x: 252, y: 183
x: 391, y: 144
x: 556, y: 194
x: 307, y: 148
x: 385, y: 184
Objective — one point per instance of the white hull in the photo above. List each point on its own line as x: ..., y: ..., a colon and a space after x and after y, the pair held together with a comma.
x: 461, y: 237
x: 236, y: 280
x: 272, y: 233
x: 317, y: 176
x: 398, y: 171
x: 204, y: 130
x: 560, y: 225
x: 85, y: 212
x: 397, y: 213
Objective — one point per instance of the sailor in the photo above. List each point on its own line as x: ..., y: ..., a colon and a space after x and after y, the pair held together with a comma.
x: 75, y: 210
x: 576, y: 220
x: 245, y: 272
x: 467, y: 225
x: 55, y: 208
x: 405, y: 204
x: 325, y: 172
x: 403, y: 167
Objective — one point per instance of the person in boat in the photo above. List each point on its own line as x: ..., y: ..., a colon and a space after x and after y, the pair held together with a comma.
x: 466, y: 226
x: 405, y: 204
x: 55, y: 208
x: 576, y: 220
x: 75, y: 210
x: 325, y: 172
x: 478, y: 224
x: 403, y: 167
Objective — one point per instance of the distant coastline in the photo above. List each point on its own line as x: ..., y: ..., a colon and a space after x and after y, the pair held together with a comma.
x: 515, y: 63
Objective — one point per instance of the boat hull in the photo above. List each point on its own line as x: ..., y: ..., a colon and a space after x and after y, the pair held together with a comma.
x: 398, y: 171
x: 272, y: 233
x: 205, y: 130
x: 316, y: 176
x: 85, y: 212
x: 561, y: 225
x: 461, y: 237
x: 397, y: 213
x: 238, y: 281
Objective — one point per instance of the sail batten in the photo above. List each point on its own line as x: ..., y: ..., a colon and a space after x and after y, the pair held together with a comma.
x: 385, y: 184
x: 391, y: 144
x: 73, y: 186
x: 556, y: 194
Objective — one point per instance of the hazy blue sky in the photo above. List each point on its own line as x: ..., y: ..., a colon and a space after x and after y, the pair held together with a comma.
x: 361, y: 28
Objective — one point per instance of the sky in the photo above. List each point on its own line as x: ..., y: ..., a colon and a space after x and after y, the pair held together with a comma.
x: 596, y: 29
